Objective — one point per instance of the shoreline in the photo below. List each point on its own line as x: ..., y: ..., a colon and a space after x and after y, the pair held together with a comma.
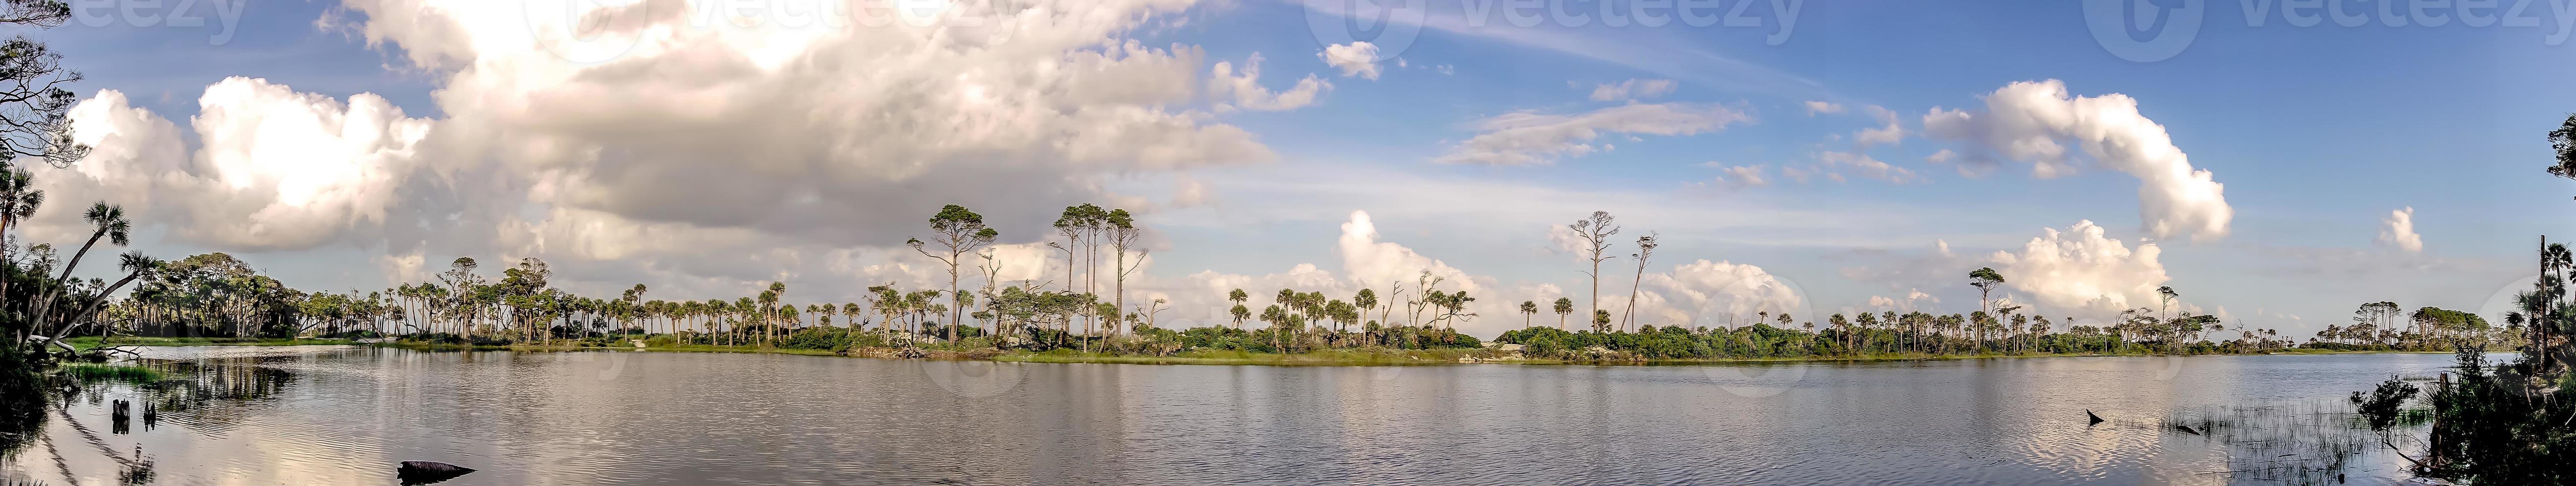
x: 1381, y: 357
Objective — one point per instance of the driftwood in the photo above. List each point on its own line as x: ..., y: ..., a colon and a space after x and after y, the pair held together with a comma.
x: 427, y: 472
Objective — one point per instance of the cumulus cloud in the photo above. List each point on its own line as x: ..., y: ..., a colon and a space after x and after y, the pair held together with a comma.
x: 1029, y: 106
x: 676, y: 143
x: 1368, y: 261
x: 1530, y: 138
x: 2037, y: 121
x: 1247, y: 92
x: 1356, y: 59
x: 2398, y: 230
x: 1824, y: 107
x: 1633, y: 89
x: 1365, y: 259
x: 275, y: 168
x: 2079, y: 268
x: 1707, y: 293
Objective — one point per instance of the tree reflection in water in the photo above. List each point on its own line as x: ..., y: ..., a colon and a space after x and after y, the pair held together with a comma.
x: 201, y: 391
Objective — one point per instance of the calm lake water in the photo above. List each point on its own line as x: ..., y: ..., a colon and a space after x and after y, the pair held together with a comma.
x: 339, y: 415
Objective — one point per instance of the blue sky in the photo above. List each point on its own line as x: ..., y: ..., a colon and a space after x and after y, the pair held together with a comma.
x: 2317, y: 134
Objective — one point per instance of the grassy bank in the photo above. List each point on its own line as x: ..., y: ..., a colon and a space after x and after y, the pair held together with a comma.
x: 429, y: 346
x: 90, y: 342
x: 1329, y: 357
x: 1956, y: 356
x: 1336, y: 357
x: 1390, y: 357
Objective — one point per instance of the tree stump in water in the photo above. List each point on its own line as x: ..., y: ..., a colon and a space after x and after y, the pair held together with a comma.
x: 426, y: 472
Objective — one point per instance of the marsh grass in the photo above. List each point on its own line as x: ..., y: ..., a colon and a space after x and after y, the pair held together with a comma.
x: 2304, y: 443
x: 105, y: 372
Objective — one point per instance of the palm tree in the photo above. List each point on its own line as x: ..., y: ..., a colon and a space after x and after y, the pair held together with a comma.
x: 19, y: 199
x: 1240, y: 312
x: 112, y: 225
x: 1529, y: 308
x: 1564, y: 308
x: 135, y: 265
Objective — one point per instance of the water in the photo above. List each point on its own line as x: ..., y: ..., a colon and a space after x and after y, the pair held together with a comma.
x: 336, y: 415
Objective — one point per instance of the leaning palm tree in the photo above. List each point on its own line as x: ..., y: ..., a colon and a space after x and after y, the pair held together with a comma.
x: 112, y: 225
x: 135, y: 265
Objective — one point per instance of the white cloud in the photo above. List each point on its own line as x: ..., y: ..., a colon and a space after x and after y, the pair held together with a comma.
x: 1250, y: 95
x: 1744, y: 175
x: 1529, y: 138
x: 275, y: 169
x: 1028, y: 107
x: 2398, y: 229
x: 1189, y: 192
x: 698, y: 154
x: 1368, y: 261
x: 2081, y: 269
x: 1633, y: 89
x: 1802, y: 174
x: 2035, y: 121
x: 1563, y: 239
x: 1890, y: 131
x: 1373, y: 262
x: 1911, y: 302
x: 1705, y: 293
x: 1815, y: 107
x: 1446, y: 69
x: 1865, y: 166
x: 402, y: 269
x: 1356, y: 59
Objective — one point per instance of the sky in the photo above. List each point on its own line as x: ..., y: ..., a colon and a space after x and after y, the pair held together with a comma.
x: 2275, y: 164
